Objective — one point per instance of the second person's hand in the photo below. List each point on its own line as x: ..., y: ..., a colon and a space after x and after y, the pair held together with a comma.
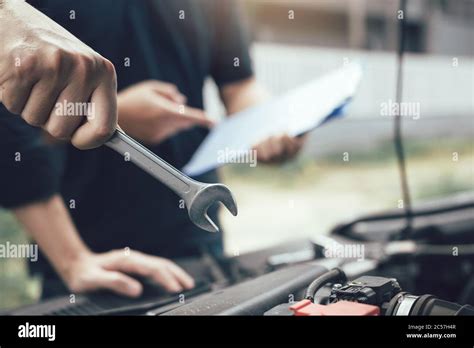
x: 278, y: 149
x: 114, y: 271
x: 152, y: 111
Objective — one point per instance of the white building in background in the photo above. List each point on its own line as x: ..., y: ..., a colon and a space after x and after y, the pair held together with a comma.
x: 435, y: 26
x: 438, y: 75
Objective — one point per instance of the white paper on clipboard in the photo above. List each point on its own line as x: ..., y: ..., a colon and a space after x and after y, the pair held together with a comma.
x: 296, y: 112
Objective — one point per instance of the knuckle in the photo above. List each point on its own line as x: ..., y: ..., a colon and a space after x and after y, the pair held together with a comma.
x: 135, y: 253
x: 57, y: 131
x: 61, y: 62
x: 107, y: 67
x: 101, y: 131
x: 85, y: 65
x: 144, y: 271
x: 114, y: 256
x: 116, y: 252
x: 81, y: 145
x: 117, y: 281
x: 169, y: 86
x: 10, y: 106
x: 32, y: 119
x: 9, y: 103
x: 167, y: 263
x: 159, y: 273
x: 57, y: 58
x: 55, y: 62
x: 110, y: 73
x: 129, y: 254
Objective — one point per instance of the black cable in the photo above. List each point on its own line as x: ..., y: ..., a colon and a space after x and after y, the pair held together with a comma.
x: 398, y: 141
x: 346, y: 229
x: 334, y: 275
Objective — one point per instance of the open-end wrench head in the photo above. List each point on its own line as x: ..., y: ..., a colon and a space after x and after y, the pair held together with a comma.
x: 207, y: 196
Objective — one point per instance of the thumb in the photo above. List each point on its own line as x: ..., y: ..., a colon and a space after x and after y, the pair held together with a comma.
x: 189, y: 116
x: 119, y: 283
x: 168, y: 91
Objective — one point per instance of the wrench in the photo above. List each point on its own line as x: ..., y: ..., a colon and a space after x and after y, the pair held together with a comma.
x: 197, y: 196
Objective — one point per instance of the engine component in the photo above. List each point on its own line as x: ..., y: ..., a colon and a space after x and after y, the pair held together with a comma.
x: 335, y: 275
x: 367, y: 296
x: 306, y: 308
x: 366, y: 289
x: 407, y: 304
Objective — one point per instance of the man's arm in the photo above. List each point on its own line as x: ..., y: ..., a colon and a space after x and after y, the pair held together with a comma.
x: 243, y: 94
x: 237, y: 85
x: 50, y: 224
x: 43, y: 66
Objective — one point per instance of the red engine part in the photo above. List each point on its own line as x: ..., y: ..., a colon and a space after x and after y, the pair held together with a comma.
x: 306, y: 308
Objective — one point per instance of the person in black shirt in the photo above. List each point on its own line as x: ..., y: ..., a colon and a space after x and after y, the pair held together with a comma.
x: 97, y: 217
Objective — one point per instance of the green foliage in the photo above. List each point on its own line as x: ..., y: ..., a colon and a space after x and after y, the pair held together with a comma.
x: 16, y: 286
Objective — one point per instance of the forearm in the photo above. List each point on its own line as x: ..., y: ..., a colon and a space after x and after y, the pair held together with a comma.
x: 50, y: 224
x: 17, y: 18
x: 10, y: 11
x: 82, y: 270
x: 243, y: 94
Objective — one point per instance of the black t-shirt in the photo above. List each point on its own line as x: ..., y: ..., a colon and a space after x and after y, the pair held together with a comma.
x: 113, y: 203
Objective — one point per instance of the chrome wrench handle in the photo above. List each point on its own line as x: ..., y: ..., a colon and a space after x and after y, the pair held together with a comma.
x: 151, y: 163
x: 197, y: 196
